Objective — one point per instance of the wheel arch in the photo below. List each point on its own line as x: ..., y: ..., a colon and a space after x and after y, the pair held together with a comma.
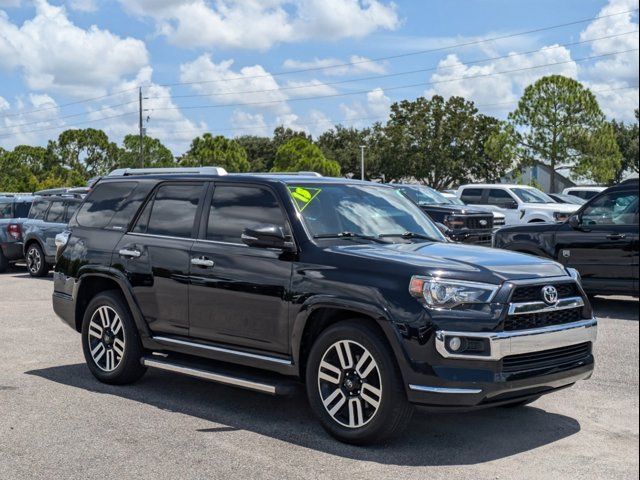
x: 30, y: 240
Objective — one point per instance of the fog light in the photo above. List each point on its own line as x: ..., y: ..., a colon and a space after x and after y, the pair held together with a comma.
x: 455, y: 343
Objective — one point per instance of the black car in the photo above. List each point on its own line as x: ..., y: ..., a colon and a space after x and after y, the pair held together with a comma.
x: 600, y: 241
x: 464, y: 224
x: 570, y: 199
x: 268, y: 282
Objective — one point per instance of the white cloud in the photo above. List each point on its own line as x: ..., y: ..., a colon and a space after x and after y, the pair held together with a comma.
x: 318, y: 123
x: 336, y: 67
x: 256, y: 24
x: 55, y: 55
x: 83, y: 5
x: 20, y: 125
x: 4, y: 104
x: 308, y: 88
x: 359, y: 114
x: 248, y: 124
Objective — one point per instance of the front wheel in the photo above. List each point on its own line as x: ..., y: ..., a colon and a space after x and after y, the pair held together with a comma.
x: 36, y: 263
x: 354, y: 385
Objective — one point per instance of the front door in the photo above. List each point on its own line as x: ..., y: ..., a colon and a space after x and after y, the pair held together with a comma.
x: 602, y: 248
x: 239, y: 294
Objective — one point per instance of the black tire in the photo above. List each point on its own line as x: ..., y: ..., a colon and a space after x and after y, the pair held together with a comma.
x: 128, y: 369
x: 4, y: 263
x: 393, y: 412
x: 36, y: 263
x: 521, y: 403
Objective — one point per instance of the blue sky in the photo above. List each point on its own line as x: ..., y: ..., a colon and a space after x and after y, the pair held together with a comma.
x: 233, y: 68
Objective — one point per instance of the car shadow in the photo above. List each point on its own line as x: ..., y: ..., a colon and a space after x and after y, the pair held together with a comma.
x: 619, y: 308
x: 431, y: 439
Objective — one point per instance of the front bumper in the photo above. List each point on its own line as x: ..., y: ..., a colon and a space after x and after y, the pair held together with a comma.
x: 474, y: 381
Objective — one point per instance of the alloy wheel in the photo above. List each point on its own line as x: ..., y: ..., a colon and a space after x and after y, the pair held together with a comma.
x: 349, y: 384
x: 34, y: 260
x: 106, y: 338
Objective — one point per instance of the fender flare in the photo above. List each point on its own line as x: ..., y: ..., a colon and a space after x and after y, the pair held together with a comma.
x: 31, y: 239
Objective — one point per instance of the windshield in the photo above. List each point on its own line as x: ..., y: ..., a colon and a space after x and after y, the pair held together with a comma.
x: 423, y: 195
x: 532, y: 195
x: 361, y: 210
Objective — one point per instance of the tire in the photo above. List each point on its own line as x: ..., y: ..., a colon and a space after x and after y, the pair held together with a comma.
x: 521, y: 403
x: 357, y: 384
x: 36, y: 263
x: 4, y: 263
x: 112, y: 348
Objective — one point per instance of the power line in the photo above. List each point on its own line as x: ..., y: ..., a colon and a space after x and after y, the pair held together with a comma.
x: 402, y: 55
x: 399, y: 87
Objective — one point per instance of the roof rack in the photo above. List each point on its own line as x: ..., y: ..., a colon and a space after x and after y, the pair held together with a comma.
x: 63, y: 192
x: 302, y: 174
x: 123, y: 172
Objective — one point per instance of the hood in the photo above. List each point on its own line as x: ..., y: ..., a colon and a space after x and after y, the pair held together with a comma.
x: 551, y: 207
x: 453, y: 209
x: 455, y: 260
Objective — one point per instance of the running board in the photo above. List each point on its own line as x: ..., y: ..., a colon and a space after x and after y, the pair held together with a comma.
x: 268, y: 385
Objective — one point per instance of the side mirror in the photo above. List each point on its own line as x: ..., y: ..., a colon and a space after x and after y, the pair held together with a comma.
x: 574, y: 221
x: 266, y: 236
x: 511, y: 205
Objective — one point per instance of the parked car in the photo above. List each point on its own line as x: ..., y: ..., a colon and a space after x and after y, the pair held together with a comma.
x: 463, y: 224
x: 519, y: 203
x: 586, y: 193
x: 48, y: 217
x: 342, y: 285
x: 498, y: 218
x: 13, y: 211
x: 570, y: 199
x: 600, y: 241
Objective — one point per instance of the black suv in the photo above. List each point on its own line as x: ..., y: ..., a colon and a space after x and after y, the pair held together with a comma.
x: 264, y: 281
x: 600, y: 241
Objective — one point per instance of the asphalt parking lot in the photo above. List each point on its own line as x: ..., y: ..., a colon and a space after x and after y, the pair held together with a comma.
x: 57, y: 421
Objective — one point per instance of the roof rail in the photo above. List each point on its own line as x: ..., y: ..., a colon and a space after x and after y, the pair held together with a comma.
x: 123, y: 172
x: 63, y: 192
x: 302, y: 174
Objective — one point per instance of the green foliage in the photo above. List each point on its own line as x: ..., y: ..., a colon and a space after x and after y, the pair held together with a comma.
x: 261, y: 152
x: 299, y: 154
x: 627, y: 140
x: 343, y: 145
x: 558, y: 122
x: 282, y: 135
x: 87, y: 151
x: 155, y: 154
x: 216, y: 151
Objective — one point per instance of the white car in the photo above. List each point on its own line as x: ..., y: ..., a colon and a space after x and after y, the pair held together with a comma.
x: 586, y: 193
x: 519, y: 203
x: 499, y: 219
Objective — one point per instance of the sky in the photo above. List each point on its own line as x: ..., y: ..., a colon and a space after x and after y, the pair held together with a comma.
x: 244, y: 67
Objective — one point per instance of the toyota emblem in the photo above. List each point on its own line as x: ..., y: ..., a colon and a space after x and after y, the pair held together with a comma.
x: 550, y: 295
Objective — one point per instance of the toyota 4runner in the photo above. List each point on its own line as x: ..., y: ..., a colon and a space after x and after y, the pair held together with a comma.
x: 267, y: 282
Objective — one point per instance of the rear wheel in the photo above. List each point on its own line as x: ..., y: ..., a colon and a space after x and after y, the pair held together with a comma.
x: 110, y: 340
x: 36, y: 264
x: 354, y: 385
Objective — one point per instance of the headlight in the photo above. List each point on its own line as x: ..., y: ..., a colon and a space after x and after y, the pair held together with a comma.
x: 560, y: 216
x: 443, y: 293
x: 453, y: 222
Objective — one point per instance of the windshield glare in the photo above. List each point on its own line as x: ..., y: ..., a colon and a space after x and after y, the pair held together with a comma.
x: 360, y: 209
x: 531, y: 195
x: 423, y: 195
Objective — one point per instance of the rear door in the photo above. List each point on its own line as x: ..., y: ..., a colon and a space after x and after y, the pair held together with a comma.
x: 155, y: 255
x: 604, y: 249
x: 238, y: 294
x: 54, y: 223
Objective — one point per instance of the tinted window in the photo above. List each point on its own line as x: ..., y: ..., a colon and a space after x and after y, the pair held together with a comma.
x: 5, y: 210
x: 129, y: 207
x: 56, y: 212
x: 619, y: 208
x: 103, y: 202
x: 499, y: 197
x: 22, y: 209
x: 71, y: 208
x: 174, y: 210
x: 234, y: 208
x: 471, y: 195
x: 38, y: 209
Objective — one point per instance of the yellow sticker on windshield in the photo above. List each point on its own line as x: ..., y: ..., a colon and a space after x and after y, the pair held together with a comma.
x: 303, y: 196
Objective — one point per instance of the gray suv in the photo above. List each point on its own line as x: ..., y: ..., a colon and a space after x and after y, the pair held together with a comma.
x: 13, y: 211
x: 49, y: 216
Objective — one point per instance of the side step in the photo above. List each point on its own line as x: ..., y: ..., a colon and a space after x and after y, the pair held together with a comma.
x: 269, y: 383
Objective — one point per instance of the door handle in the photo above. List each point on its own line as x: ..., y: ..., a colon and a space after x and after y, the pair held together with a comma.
x: 616, y: 236
x: 131, y: 253
x: 202, y: 262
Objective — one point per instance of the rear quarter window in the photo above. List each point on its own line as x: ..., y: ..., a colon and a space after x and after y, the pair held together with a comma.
x: 22, y: 209
x: 110, y: 204
x: 38, y: 209
x: 5, y: 210
x: 471, y: 195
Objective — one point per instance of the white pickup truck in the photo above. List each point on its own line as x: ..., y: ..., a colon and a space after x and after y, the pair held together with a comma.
x: 519, y: 203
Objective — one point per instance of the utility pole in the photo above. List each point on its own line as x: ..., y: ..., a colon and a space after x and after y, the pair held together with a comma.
x: 141, y: 128
x: 362, y: 147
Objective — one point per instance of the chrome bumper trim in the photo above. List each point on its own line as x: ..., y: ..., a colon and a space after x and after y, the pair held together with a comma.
x: 503, y: 344
x: 541, y: 307
x: 424, y: 388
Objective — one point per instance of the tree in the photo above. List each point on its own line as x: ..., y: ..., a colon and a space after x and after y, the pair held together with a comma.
x: 216, y: 151
x: 343, y: 145
x: 627, y: 140
x: 282, y: 135
x: 558, y: 122
x: 15, y: 174
x: 87, y: 151
x: 299, y: 154
x: 261, y: 152
x: 155, y: 154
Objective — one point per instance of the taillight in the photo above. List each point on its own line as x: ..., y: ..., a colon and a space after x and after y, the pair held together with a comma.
x: 15, y: 231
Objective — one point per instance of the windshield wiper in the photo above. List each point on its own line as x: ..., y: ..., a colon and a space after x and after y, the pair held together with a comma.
x: 410, y: 235
x: 349, y: 235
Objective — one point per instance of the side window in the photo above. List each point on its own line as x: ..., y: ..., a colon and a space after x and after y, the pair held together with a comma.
x: 471, y: 195
x: 500, y: 198
x: 234, y: 208
x: 103, y: 202
x: 620, y: 208
x: 56, y: 212
x: 5, y: 210
x: 174, y: 210
x: 22, y: 209
x: 38, y: 209
x: 71, y: 208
